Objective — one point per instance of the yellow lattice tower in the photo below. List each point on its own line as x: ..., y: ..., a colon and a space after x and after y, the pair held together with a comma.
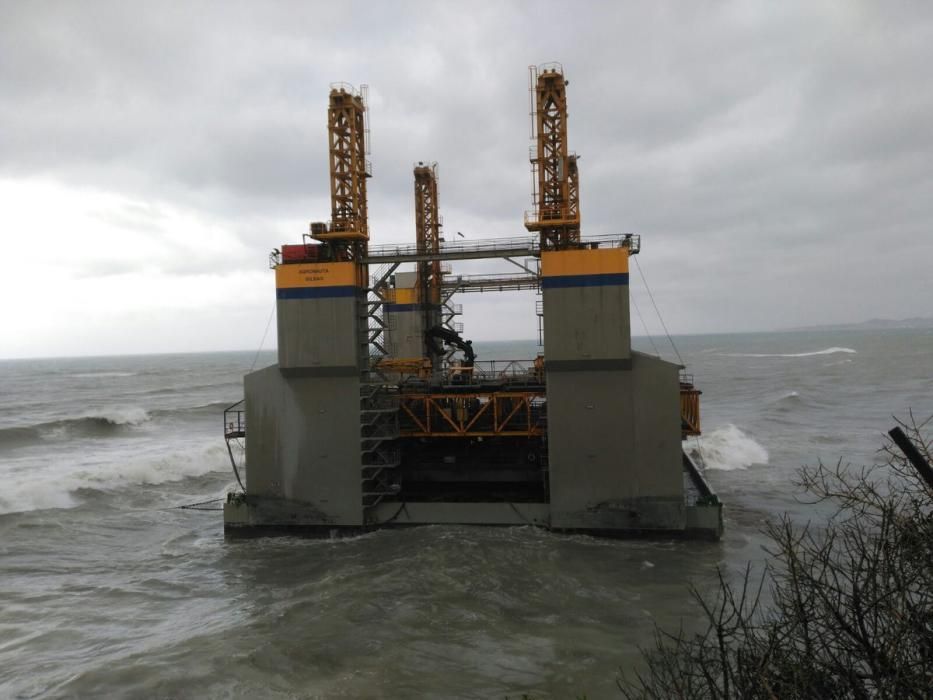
x: 428, y: 232
x: 555, y: 176
x: 346, y: 127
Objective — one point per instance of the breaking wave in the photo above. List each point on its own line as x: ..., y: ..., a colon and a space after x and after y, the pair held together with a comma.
x: 788, y: 401
x: 109, y: 422
x: 129, y: 415
x: 827, y: 351
x: 727, y: 448
x: 99, y: 424
x: 60, y: 486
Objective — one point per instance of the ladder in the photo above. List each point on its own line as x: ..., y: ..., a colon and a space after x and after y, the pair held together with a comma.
x: 379, y: 455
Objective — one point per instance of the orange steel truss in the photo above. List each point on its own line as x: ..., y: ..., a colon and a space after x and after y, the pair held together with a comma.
x: 557, y: 215
x: 493, y: 414
x: 428, y: 232
x: 411, y: 366
x: 573, y: 191
x: 346, y: 126
x: 689, y: 410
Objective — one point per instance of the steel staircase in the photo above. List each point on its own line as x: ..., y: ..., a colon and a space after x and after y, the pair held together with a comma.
x: 379, y: 403
x: 379, y: 429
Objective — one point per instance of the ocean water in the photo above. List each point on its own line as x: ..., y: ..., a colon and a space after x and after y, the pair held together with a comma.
x: 108, y: 589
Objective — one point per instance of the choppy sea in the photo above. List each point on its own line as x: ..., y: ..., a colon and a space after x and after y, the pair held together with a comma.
x: 107, y: 589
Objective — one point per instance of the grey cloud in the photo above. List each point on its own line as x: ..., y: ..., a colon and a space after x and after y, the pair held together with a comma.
x: 759, y: 148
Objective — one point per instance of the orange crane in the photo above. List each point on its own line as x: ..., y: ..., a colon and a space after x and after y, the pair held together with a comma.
x: 348, y: 233
x: 555, y: 179
x: 428, y: 234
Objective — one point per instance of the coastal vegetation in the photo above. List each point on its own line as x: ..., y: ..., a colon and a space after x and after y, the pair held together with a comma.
x: 842, y: 609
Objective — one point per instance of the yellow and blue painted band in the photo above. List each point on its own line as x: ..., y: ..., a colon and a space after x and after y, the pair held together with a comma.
x: 403, y: 299
x: 317, y: 280
x: 592, y: 267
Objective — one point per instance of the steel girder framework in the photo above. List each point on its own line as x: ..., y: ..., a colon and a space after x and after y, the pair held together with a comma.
x: 346, y: 127
x: 556, y: 181
x: 480, y: 414
x: 689, y: 410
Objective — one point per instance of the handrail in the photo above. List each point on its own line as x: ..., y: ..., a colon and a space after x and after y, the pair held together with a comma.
x: 346, y: 87
x: 235, y: 421
x: 498, y: 247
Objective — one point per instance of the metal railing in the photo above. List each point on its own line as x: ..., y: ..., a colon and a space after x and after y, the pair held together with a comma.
x: 498, y: 246
x: 503, y: 369
x: 482, y: 372
x: 492, y: 282
x: 235, y: 421
x: 491, y: 245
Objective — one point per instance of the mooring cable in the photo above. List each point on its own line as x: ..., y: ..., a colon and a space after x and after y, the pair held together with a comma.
x: 645, y: 326
x: 263, y: 341
x: 196, y: 506
x: 236, y: 472
x: 658, y: 311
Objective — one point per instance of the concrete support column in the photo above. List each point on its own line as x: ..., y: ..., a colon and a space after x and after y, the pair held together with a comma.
x: 613, y: 418
x: 303, y: 415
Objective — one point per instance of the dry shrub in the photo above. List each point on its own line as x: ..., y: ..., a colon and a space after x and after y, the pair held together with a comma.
x: 850, y: 600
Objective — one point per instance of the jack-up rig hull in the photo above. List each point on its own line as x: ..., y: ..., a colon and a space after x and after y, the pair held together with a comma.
x: 378, y: 415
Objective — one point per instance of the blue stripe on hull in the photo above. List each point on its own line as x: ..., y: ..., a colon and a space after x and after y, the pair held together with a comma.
x: 315, y: 292
x: 394, y: 308
x: 563, y: 281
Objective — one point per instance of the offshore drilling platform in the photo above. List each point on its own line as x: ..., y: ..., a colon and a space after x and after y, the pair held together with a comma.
x: 379, y: 414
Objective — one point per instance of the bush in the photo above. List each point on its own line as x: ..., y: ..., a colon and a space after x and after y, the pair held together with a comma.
x: 850, y: 604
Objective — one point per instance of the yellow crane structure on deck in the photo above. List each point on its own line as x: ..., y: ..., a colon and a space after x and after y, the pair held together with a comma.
x: 555, y: 177
x: 348, y: 232
x: 428, y: 233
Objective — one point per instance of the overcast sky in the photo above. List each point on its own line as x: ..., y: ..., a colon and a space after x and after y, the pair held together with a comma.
x: 775, y: 157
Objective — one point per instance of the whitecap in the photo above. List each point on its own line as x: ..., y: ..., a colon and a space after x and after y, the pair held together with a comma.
x: 827, y: 351
x: 59, y: 485
x: 173, y: 466
x: 728, y: 448
x: 119, y: 415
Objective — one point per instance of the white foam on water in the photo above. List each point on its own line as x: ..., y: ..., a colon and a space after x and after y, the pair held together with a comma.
x: 22, y: 494
x: 727, y: 448
x: 173, y: 466
x: 56, y: 485
x: 827, y: 351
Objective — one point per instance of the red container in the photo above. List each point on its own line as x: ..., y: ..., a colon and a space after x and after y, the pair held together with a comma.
x: 299, y: 253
